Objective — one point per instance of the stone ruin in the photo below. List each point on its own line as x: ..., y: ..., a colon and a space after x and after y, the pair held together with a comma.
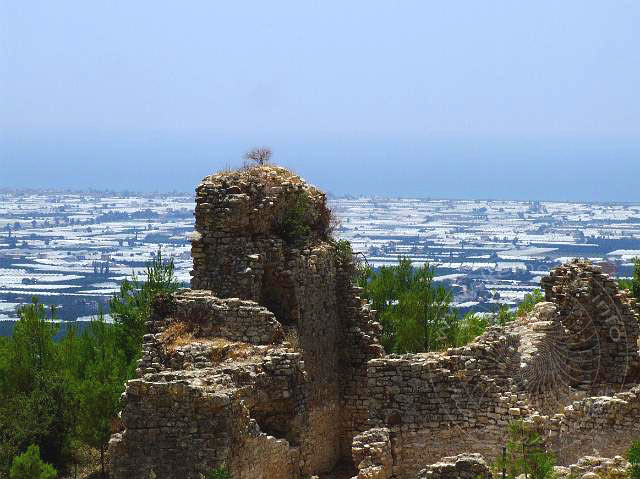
x: 271, y: 366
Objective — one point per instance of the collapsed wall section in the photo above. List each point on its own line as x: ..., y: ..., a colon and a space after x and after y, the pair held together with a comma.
x: 211, y: 393
x: 439, y: 404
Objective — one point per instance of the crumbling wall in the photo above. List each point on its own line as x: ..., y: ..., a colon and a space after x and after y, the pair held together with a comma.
x: 550, y: 367
x: 265, y: 271
x: 372, y: 454
x: 192, y: 409
x: 601, y: 321
x: 271, y: 366
x: 603, y: 425
x: 439, y: 404
x: 244, y: 248
x: 594, y: 467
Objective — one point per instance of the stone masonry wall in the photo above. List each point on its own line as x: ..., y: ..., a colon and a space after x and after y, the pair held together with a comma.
x: 257, y: 284
x: 544, y: 368
x: 601, y: 322
x: 437, y: 404
x: 240, y: 251
x: 601, y: 425
x: 272, y: 367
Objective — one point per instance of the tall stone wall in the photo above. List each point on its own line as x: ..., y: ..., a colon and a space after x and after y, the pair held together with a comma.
x: 269, y: 282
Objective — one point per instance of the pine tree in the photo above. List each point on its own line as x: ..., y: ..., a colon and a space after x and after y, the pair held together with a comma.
x: 29, y: 466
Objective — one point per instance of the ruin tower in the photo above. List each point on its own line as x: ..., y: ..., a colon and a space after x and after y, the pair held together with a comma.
x: 261, y: 367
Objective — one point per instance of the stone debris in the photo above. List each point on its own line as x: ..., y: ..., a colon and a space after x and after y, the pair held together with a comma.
x: 462, y: 466
x: 594, y: 467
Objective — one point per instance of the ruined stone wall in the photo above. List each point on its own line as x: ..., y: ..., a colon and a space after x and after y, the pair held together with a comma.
x: 439, y: 404
x: 547, y: 368
x: 242, y: 227
x: 603, y: 425
x: 601, y: 323
x: 266, y: 271
x: 358, y: 345
x: 207, y: 403
x: 242, y: 249
x: 462, y: 466
x: 272, y: 365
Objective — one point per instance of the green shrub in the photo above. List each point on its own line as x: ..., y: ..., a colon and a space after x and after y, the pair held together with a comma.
x: 28, y: 465
x: 525, y: 454
x: 469, y: 328
x: 343, y: 250
x: 292, y: 227
x: 219, y: 473
x: 529, y: 302
x: 633, y: 456
x: 503, y: 315
x: 633, y: 284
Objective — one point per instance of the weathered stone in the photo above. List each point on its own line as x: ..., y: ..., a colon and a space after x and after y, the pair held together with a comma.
x: 272, y: 367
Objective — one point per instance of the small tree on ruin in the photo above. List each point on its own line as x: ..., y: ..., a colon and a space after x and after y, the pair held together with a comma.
x: 260, y: 156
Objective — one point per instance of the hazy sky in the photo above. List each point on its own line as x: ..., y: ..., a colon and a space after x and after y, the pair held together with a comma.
x: 505, y: 99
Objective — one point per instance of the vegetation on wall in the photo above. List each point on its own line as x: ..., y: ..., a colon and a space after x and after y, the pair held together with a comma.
x: 293, y: 227
x: 633, y: 456
x: 525, y: 454
x: 633, y: 284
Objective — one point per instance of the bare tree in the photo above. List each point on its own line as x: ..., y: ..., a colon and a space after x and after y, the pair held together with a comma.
x: 260, y: 156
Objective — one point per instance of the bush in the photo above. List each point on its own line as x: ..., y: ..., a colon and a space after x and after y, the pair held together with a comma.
x: 219, y: 473
x: 503, y: 315
x: 633, y: 456
x: 292, y: 227
x: 471, y: 326
x: 29, y: 466
x: 343, y: 251
x: 525, y: 454
x: 529, y: 302
x: 633, y: 284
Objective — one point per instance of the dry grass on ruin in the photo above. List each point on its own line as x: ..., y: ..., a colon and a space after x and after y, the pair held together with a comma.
x: 270, y: 175
x: 177, y: 334
x: 222, y: 349
x: 180, y: 334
